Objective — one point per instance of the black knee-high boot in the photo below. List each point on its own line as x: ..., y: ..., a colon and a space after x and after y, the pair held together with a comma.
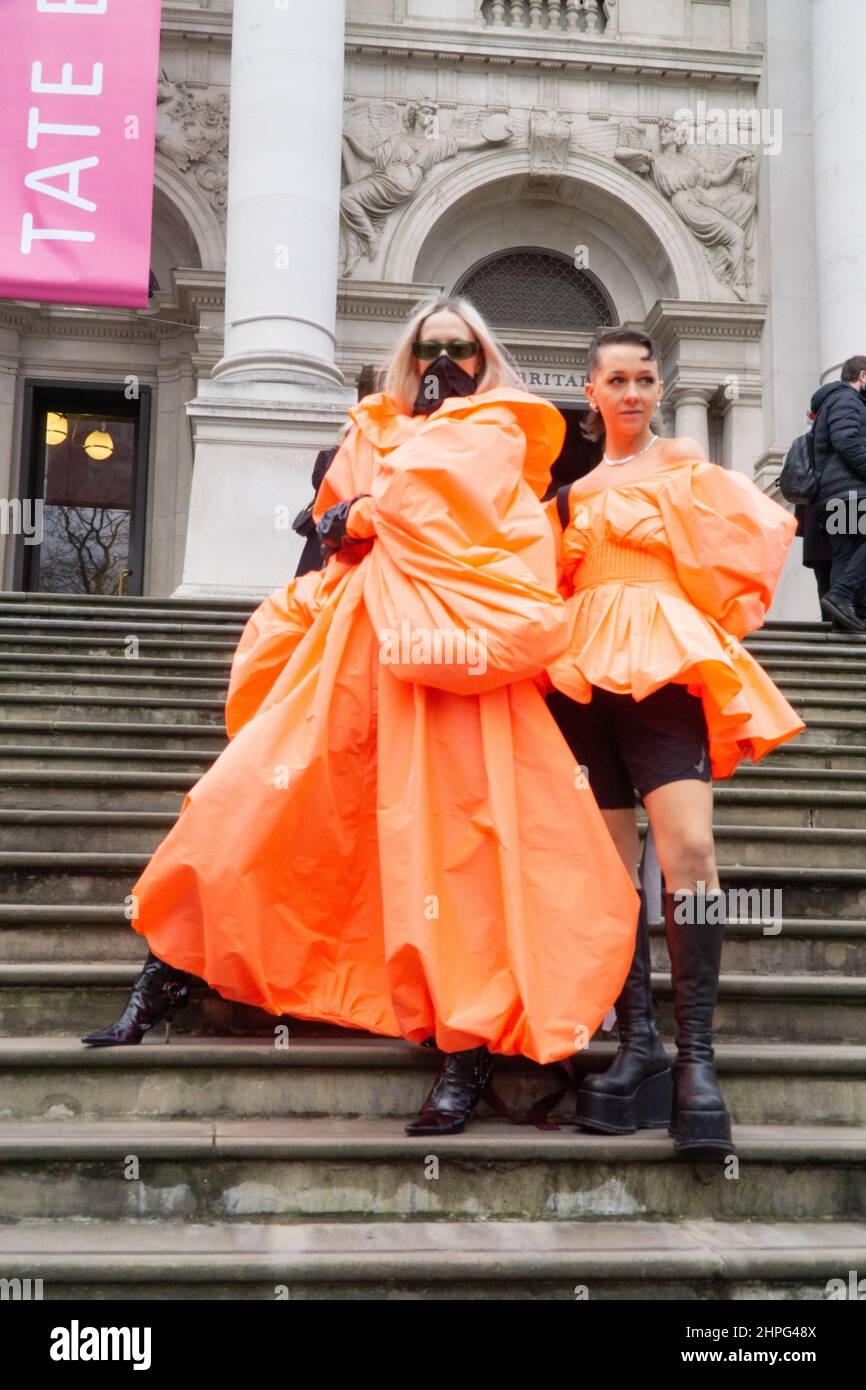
x: 461, y: 1082
x: 700, y: 1123
x: 159, y: 990
x: 636, y: 1090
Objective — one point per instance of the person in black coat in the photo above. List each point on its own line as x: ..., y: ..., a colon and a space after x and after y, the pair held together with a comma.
x: 840, y: 462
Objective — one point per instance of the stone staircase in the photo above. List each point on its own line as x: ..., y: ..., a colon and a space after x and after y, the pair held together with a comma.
x: 222, y: 1166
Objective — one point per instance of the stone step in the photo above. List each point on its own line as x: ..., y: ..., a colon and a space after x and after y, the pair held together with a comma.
x: 781, y: 776
x: 806, y: 836
x: 813, y: 670
x: 186, y: 752
x: 90, y: 686
x: 60, y: 1000
x: 115, y: 709
x: 822, y: 893
x: 799, y: 946
x: 820, y: 676
x: 827, y: 810
x: 798, y: 847
x: 845, y: 713
x: 703, y: 1259
x: 16, y: 602
x: 76, y: 784
x: 53, y: 740
x: 95, y: 744
x: 117, y: 831
x: 23, y: 663
x: 117, y: 626
x: 41, y: 1078
x: 765, y: 646
x: 360, y: 1170
x: 813, y: 752
x: 104, y: 878
x: 100, y: 647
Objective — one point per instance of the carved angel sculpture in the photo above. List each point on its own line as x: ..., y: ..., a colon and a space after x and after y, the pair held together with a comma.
x: 712, y: 189
x: 401, y: 155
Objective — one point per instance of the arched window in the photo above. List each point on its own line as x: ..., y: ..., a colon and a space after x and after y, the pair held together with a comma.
x: 532, y: 288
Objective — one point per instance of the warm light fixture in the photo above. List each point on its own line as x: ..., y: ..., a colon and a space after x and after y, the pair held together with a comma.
x: 99, y: 445
x: 56, y: 428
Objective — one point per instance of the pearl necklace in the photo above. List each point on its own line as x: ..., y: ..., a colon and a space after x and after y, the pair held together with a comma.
x: 613, y: 462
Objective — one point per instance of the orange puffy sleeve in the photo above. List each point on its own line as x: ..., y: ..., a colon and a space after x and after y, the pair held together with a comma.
x: 728, y: 541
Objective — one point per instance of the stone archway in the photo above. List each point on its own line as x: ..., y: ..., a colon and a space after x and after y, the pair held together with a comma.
x: 198, y: 214
x: 608, y: 199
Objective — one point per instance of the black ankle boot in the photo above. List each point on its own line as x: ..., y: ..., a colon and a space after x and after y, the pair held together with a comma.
x: 842, y: 612
x: 462, y: 1080
x: 637, y: 1089
x: 700, y: 1123
x: 156, y: 994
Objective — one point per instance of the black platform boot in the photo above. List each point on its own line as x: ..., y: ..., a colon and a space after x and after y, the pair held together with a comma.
x: 700, y: 1123
x: 462, y: 1080
x: 636, y: 1091
x: 157, y: 993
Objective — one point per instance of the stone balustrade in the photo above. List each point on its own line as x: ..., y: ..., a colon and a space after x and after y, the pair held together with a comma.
x: 547, y: 16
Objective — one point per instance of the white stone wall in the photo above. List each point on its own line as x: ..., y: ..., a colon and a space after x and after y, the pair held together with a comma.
x: 654, y: 58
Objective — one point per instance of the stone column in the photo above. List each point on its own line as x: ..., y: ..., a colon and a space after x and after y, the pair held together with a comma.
x: 690, y: 404
x: 742, y: 428
x: 276, y: 396
x: 839, y: 120
x: 285, y: 132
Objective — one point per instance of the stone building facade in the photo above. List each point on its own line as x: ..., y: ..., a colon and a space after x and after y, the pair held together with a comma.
x: 690, y: 166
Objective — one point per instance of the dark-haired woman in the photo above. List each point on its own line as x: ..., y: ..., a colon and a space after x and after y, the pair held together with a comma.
x: 394, y: 839
x: 667, y: 562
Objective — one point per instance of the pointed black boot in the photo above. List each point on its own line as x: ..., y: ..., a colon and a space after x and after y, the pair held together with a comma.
x: 157, y: 993
x: 636, y: 1091
x: 700, y: 1124
x: 462, y: 1080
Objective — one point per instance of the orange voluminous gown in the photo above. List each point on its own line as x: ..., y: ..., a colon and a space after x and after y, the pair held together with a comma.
x: 667, y: 562
x: 396, y: 837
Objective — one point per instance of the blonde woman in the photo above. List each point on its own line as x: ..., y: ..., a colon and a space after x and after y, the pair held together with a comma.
x: 395, y: 839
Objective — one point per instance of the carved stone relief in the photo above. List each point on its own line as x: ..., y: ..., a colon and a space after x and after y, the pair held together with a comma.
x: 549, y: 142
x: 387, y: 154
x: 712, y: 189
x: 192, y: 130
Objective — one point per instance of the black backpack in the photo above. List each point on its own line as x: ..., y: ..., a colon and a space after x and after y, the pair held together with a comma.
x: 798, y: 480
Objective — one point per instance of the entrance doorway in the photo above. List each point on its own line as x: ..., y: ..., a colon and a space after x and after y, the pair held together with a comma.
x: 84, y: 470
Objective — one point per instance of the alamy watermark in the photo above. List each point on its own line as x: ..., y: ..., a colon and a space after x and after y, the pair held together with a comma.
x: 762, y: 906
x: 734, y: 125
x: 22, y: 516
x: 434, y: 646
x: 846, y: 516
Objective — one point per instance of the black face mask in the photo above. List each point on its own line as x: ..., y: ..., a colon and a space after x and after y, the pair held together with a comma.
x: 443, y: 378
x: 862, y: 393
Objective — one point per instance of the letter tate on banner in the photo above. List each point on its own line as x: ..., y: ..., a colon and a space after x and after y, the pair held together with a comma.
x: 78, y: 111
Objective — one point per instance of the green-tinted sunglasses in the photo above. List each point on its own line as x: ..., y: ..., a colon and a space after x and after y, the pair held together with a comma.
x: 460, y: 349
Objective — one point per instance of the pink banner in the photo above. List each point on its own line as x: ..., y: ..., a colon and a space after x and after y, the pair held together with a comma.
x: 78, y: 106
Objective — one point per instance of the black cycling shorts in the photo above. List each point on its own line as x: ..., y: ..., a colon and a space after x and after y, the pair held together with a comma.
x: 629, y: 745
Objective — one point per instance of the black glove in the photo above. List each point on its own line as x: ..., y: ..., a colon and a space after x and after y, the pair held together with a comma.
x: 331, y: 530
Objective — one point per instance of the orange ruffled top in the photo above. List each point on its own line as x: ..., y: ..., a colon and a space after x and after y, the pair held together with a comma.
x: 395, y: 838
x: 666, y: 564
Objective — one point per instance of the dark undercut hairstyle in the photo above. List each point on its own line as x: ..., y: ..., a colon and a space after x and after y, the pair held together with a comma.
x: 592, y: 426
x: 852, y: 368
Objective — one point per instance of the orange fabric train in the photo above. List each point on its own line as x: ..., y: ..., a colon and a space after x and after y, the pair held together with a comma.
x: 396, y: 839
x: 667, y: 563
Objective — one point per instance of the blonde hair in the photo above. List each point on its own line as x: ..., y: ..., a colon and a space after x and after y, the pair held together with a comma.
x: 401, y: 374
